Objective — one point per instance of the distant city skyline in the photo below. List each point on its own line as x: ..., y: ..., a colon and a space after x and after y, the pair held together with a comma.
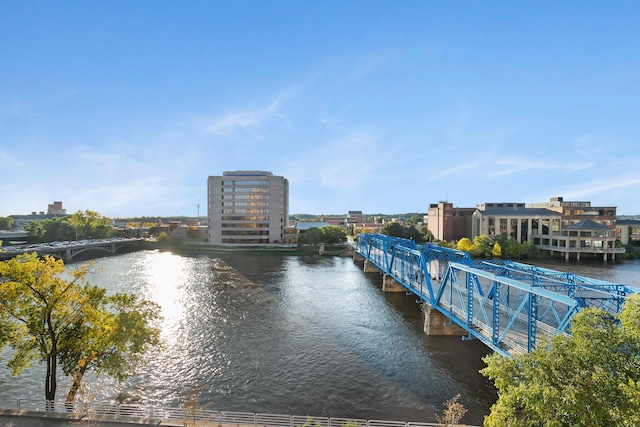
x: 126, y: 108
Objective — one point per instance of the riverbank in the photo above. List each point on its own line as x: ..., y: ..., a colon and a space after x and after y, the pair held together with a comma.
x: 193, y: 249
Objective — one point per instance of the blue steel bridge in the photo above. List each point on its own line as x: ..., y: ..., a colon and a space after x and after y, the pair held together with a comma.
x: 507, y: 305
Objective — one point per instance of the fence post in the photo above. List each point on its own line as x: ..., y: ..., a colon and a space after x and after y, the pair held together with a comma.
x: 18, y: 401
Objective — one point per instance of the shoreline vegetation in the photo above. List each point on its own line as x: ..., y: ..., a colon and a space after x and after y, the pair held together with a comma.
x: 329, y: 250
x: 528, y: 252
x: 326, y: 240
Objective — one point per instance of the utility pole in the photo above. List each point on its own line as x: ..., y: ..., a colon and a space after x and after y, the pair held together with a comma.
x: 198, y: 206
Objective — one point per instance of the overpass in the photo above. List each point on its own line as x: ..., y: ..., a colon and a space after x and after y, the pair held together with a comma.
x: 502, y: 303
x: 70, y: 250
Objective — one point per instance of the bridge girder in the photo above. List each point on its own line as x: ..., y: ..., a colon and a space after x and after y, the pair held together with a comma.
x: 504, y: 304
x: 73, y: 253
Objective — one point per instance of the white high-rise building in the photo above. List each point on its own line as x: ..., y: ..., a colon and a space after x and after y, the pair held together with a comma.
x: 247, y: 208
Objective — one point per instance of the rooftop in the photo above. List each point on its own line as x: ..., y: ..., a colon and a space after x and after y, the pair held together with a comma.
x: 518, y: 211
x: 587, y: 224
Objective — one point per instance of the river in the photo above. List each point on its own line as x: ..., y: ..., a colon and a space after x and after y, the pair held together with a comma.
x: 292, y: 335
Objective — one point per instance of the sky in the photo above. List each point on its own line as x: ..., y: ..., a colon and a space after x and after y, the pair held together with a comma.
x: 126, y: 107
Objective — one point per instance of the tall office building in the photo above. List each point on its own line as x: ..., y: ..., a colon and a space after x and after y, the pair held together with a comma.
x: 247, y: 208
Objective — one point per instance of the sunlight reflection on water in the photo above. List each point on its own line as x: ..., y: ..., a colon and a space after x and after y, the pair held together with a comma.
x: 165, y: 275
x: 297, y: 335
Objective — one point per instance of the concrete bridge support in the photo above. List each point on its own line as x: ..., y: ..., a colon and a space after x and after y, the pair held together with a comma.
x: 389, y: 284
x: 437, y: 324
x: 357, y: 257
x: 370, y: 267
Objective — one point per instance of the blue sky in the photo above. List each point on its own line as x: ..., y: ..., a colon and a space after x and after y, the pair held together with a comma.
x: 126, y: 107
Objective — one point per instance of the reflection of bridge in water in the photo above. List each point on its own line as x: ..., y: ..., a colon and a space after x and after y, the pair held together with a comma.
x: 70, y: 250
x: 504, y: 304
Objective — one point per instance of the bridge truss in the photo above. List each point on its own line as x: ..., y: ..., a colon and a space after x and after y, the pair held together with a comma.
x: 504, y: 304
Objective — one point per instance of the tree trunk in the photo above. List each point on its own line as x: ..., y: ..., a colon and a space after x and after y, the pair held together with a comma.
x: 50, y: 381
x: 75, y: 386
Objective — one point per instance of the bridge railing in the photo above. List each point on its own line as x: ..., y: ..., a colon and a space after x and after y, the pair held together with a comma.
x: 586, y: 291
x: 502, y: 303
x: 504, y: 313
x: 186, y: 415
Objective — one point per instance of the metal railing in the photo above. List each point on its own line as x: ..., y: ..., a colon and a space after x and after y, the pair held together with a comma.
x: 190, y: 416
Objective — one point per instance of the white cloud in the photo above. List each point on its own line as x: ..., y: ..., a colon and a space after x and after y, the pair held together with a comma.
x: 459, y: 169
x: 368, y: 63
x: 623, y: 183
x: 588, y: 146
x: 250, y: 120
x: 510, y: 166
x: 341, y: 163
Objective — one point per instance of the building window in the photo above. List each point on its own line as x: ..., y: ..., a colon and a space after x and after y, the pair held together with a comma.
x: 513, y: 231
x: 524, y: 230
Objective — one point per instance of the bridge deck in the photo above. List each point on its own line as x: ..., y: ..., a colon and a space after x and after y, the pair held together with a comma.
x: 69, y: 250
x: 504, y: 304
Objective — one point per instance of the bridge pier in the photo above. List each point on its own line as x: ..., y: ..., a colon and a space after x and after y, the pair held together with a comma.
x: 370, y: 267
x: 389, y: 284
x: 357, y: 257
x: 437, y: 324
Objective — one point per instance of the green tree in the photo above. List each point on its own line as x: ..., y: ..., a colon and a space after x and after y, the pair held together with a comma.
x: 502, y: 240
x: 54, y: 316
x: 589, y: 379
x: 483, y: 244
x: 192, y: 232
x: 414, y: 234
x: 332, y: 234
x: 35, y: 231
x: 163, y: 238
x: 415, y: 219
x: 57, y: 229
x: 428, y: 235
x: 6, y: 223
x: 110, y: 338
x: 362, y: 230
x: 312, y: 236
x: 452, y: 413
x: 90, y: 225
x: 393, y: 229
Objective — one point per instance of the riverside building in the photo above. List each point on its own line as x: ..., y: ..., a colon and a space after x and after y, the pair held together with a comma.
x: 565, y: 227
x: 570, y: 228
x: 247, y: 208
